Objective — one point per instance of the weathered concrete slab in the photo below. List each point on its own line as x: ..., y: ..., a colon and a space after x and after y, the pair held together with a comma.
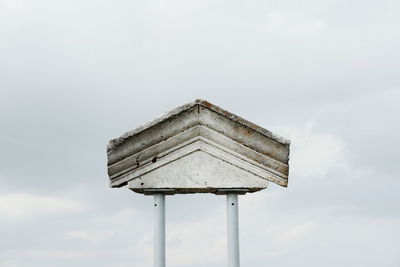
x: 195, y: 173
x: 198, y: 147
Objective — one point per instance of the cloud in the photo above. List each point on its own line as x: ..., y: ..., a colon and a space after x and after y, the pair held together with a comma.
x: 315, y: 154
x: 293, y: 25
x: 15, y: 206
x: 80, y: 234
x: 10, y: 4
x: 295, y: 232
x: 189, y: 242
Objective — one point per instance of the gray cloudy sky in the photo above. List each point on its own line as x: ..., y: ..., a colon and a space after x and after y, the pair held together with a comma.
x: 325, y: 74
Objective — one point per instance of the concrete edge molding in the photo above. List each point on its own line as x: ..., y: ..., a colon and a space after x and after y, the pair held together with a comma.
x: 212, y: 149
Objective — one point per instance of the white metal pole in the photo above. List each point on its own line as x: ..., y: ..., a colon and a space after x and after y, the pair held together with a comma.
x: 159, y: 230
x: 233, y: 230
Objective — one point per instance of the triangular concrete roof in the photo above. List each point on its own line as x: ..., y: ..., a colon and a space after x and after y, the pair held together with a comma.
x: 193, y: 127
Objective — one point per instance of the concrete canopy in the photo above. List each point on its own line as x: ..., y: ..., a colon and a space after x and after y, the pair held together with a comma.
x: 198, y: 148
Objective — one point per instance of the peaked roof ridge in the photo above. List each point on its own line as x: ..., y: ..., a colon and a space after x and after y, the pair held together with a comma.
x: 117, y: 141
x: 240, y: 120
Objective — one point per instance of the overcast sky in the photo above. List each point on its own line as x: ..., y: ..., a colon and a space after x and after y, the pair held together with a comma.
x: 324, y: 74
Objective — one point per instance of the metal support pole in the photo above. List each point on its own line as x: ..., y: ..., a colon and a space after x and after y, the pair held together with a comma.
x: 233, y: 229
x: 159, y: 230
